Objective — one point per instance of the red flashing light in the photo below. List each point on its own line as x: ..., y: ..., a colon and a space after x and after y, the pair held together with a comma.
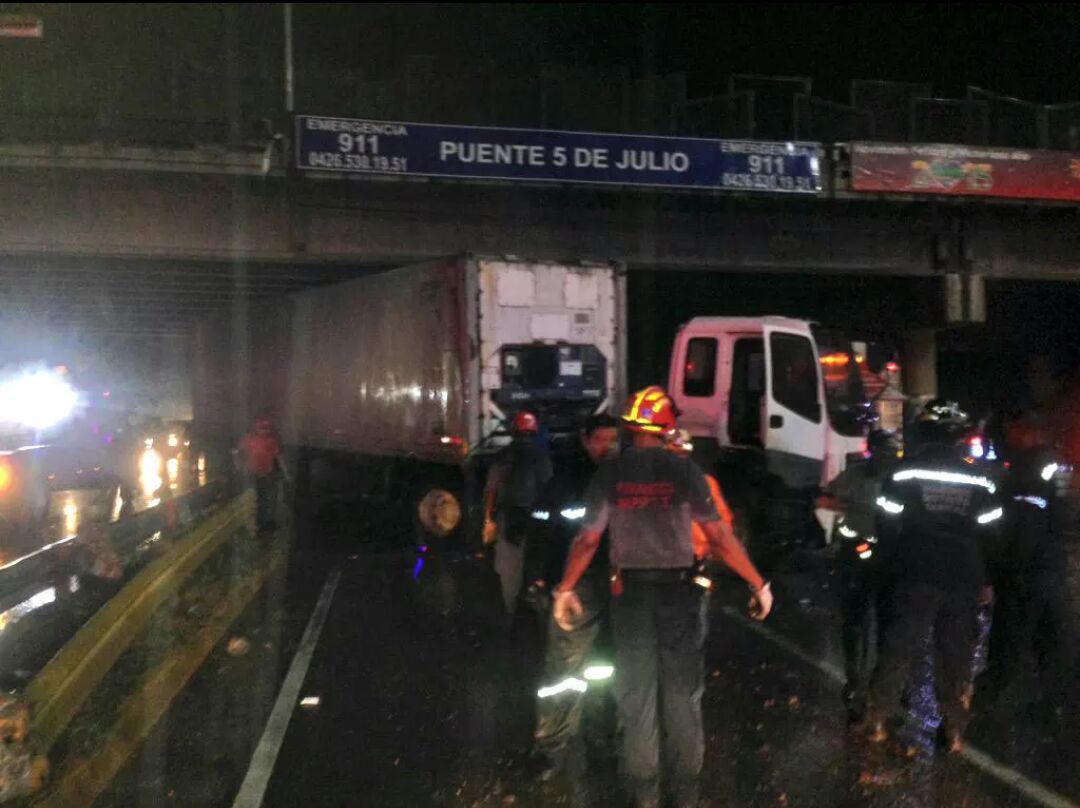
x: 892, y: 367
x: 835, y: 359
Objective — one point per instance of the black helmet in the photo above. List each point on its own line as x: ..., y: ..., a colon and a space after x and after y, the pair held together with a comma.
x: 881, y: 442
x: 942, y: 421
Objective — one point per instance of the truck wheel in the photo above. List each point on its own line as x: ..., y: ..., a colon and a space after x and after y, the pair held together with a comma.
x: 437, y: 513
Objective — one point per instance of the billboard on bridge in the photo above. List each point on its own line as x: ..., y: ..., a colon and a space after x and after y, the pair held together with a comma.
x: 344, y: 145
x: 928, y: 168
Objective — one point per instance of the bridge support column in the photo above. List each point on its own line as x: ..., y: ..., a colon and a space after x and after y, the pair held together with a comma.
x: 919, y: 355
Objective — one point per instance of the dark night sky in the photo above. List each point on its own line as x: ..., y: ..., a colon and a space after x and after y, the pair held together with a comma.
x: 1028, y: 50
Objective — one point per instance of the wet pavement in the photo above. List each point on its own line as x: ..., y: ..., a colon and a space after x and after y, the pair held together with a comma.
x: 421, y: 702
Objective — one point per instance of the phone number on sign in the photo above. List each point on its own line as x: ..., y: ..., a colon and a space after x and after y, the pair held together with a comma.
x: 357, y: 162
x: 767, y: 182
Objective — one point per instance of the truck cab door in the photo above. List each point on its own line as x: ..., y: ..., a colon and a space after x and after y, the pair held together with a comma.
x: 695, y: 382
x: 794, y: 422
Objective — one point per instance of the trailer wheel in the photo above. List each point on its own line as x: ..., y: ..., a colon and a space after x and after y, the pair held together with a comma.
x: 437, y: 513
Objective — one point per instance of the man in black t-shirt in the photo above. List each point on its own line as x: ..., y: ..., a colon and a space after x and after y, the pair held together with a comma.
x: 572, y: 664
x: 515, y: 480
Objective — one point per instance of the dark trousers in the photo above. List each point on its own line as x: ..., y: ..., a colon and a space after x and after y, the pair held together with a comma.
x: 953, y: 617
x: 514, y: 526
x: 660, y: 633
x: 266, y: 494
x: 866, y: 611
x: 558, y: 727
x: 1034, y: 613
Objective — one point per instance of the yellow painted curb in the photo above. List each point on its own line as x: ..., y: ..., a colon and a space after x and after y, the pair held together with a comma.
x: 62, y: 686
x: 83, y: 783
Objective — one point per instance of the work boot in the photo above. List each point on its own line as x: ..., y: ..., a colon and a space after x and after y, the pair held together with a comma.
x: 950, y: 737
x: 876, y: 732
x: 685, y: 795
x: 950, y: 740
x: 645, y: 794
x: 577, y: 792
x: 854, y: 702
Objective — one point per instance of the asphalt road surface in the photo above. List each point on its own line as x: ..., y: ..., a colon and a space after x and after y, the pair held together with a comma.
x: 375, y: 678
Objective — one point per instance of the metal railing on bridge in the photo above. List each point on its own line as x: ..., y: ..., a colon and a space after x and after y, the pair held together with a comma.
x: 551, y: 96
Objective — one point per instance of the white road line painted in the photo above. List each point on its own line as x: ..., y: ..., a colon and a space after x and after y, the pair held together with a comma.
x: 976, y: 757
x: 253, y: 789
x: 1031, y: 789
x: 827, y: 668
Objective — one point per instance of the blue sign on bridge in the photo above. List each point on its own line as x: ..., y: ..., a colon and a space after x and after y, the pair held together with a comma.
x: 344, y: 145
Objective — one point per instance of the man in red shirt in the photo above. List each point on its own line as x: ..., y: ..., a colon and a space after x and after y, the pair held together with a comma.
x: 262, y: 460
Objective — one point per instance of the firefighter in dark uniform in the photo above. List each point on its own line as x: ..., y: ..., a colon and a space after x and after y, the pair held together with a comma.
x: 945, y: 511
x: 646, y: 498
x: 1033, y: 611
x: 516, y: 478
x: 571, y: 663
x: 864, y: 561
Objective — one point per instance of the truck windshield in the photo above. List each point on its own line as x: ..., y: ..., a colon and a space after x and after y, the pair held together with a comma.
x: 845, y: 397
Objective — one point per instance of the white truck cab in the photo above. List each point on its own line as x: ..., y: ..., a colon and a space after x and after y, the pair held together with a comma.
x: 775, y: 405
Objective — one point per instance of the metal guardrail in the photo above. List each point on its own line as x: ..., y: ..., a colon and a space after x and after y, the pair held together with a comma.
x: 48, y: 595
x: 124, y: 536
x: 64, y: 684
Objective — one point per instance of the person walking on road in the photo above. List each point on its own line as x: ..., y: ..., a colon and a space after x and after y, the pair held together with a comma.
x: 570, y: 664
x: 261, y: 452
x: 1033, y: 609
x: 646, y: 498
x: 944, y: 510
x: 514, y: 483
x: 867, y: 574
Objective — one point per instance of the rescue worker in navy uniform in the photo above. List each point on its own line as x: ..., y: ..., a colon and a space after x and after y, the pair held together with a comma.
x: 517, y: 476
x: 1033, y: 610
x: 570, y: 664
x: 864, y: 562
x: 945, y: 511
x: 646, y: 497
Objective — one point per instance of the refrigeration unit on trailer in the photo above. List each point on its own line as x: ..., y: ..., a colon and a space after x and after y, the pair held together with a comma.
x: 410, y: 375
